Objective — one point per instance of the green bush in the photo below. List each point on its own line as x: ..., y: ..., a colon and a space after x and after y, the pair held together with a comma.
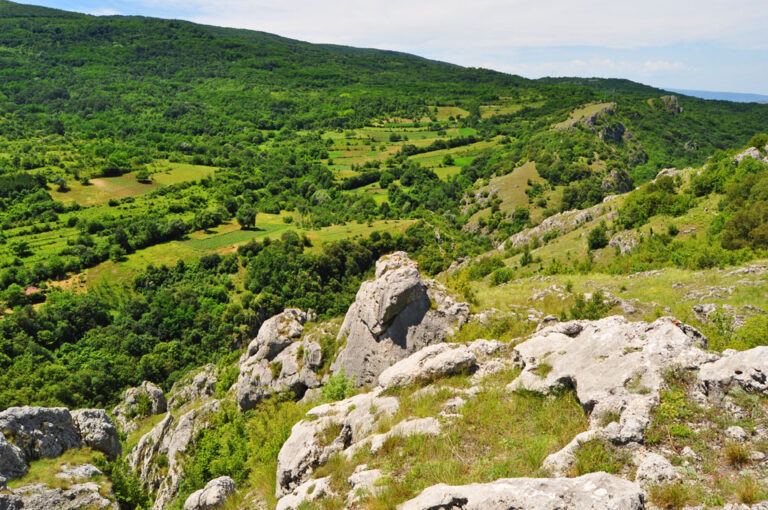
x: 338, y: 387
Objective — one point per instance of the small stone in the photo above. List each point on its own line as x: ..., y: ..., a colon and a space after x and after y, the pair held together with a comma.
x: 736, y: 433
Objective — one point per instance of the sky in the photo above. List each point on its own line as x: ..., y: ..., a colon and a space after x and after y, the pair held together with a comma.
x: 719, y: 45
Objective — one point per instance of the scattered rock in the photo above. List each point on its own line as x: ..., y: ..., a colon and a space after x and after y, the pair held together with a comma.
x: 625, y: 241
x: 736, y: 433
x: 615, y: 366
x: 653, y: 469
x: 594, y: 491
x: 748, y: 369
x: 308, y: 491
x: 98, y: 431
x: 125, y: 412
x: 393, y: 316
x: 81, y: 472
x: 76, y: 497
x: 278, y: 360
x: 200, y: 387
x: 213, y: 495
x: 429, y: 363
x: 690, y: 454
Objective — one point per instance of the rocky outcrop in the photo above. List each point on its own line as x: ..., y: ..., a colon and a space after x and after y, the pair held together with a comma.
x: 617, y: 181
x: 393, y: 316
x: 753, y: 153
x: 97, y: 431
x: 168, y: 440
x: 144, y: 400
x: 308, y: 491
x: 560, y: 223
x: 747, y: 369
x: 625, y: 241
x: 213, y: 495
x: 595, y: 491
x: 278, y: 360
x: 41, y: 497
x: 672, y: 104
x: 31, y: 433
x: 429, y: 363
x: 200, y: 386
x: 615, y: 367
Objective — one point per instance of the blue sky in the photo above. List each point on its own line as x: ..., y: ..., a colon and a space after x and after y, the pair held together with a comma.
x: 717, y: 45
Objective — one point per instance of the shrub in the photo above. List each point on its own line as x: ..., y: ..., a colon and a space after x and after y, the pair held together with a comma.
x: 597, y: 237
x: 737, y: 454
x: 339, y: 387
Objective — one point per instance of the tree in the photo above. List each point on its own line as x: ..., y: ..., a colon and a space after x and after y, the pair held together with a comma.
x: 246, y: 216
x: 597, y: 237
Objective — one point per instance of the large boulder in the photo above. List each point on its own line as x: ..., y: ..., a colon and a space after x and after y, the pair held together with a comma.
x: 747, y: 369
x: 615, y: 367
x: 147, y: 394
x: 594, y: 491
x: 427, y: 364
x: 168, y: 440
x: 213, y: 495
x: 97, y: 431
x: 200, y: 386
x: 40, y: 431
x: 393, y: 316
x: 278, y: 360
x: 13, y: 464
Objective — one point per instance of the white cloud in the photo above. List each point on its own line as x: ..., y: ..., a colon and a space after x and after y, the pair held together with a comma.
x: 104, y: 12
x: 401, y: 24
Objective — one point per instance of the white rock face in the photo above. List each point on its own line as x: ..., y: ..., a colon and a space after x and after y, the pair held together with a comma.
x: 201, y: 386
x: 169, y: 438
x: 363, y: 483
x: 748, y: 369
x: 31, y: 433
x: 213, y: 495
x: 308, y: 491
x: 595, y: 491
x: 97, y: 431
x: 354, y: 417
x: 277, y: 360
x: 614, y: 365
x: 394, y: 316
x: 653, y: 469
x: 123, y: 412
x: 427, y: 364
x: 751, y: 153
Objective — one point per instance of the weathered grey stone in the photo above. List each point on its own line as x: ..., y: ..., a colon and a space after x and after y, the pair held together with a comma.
x: 77, y: 497
x: 40, y: 431
x: 308, y: 491
x: 427, y: 364
x: 753, y: 153
x: 170, y: 439
x: 748, y: 369
x: 595, y: 491
x: 125, y: 412
x: 278, y: 361
x: 213, y: 495
x: 13, y: 464
x: 81, y: 472
x: 97, y: 431
x: 615, y: 366
x: 653, y: 469
x: 11, y: 502
x: 303, y: 451
x: 363, y: 482
x: 200, y: 386
x: 392, y: 317
x: 736, y: 433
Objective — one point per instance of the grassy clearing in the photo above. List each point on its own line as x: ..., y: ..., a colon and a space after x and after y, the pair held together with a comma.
x: 45, y: 470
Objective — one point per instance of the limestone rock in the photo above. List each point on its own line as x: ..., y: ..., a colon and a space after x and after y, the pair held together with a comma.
x: 213, y: 495
x: 750, y: 153
x: 169, y: 439
x: 127, y: 410
x: 277, y: 360
x: 303, y: 451
x: 76, y: 497
x: 625, y: 241
x: 199, y: 387
x: 429, y: 363
x: 393, y: 316
x: 97, y: 431
x: 308, y: 491
x: 13, y: 464
x: 11, y: 502
x: 363, y: 482
x: 653, y: 469
x: 594, y: 491
x: 748, y: 369
x: 40, y: 431
x: 736, y: 433
x: 615, y: 366
x: 81, y: 472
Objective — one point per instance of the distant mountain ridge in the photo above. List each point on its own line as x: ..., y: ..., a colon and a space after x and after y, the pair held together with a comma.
x: 736, y: 97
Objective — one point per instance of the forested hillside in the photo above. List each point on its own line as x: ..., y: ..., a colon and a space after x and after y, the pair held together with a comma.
x: 168, y: 189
